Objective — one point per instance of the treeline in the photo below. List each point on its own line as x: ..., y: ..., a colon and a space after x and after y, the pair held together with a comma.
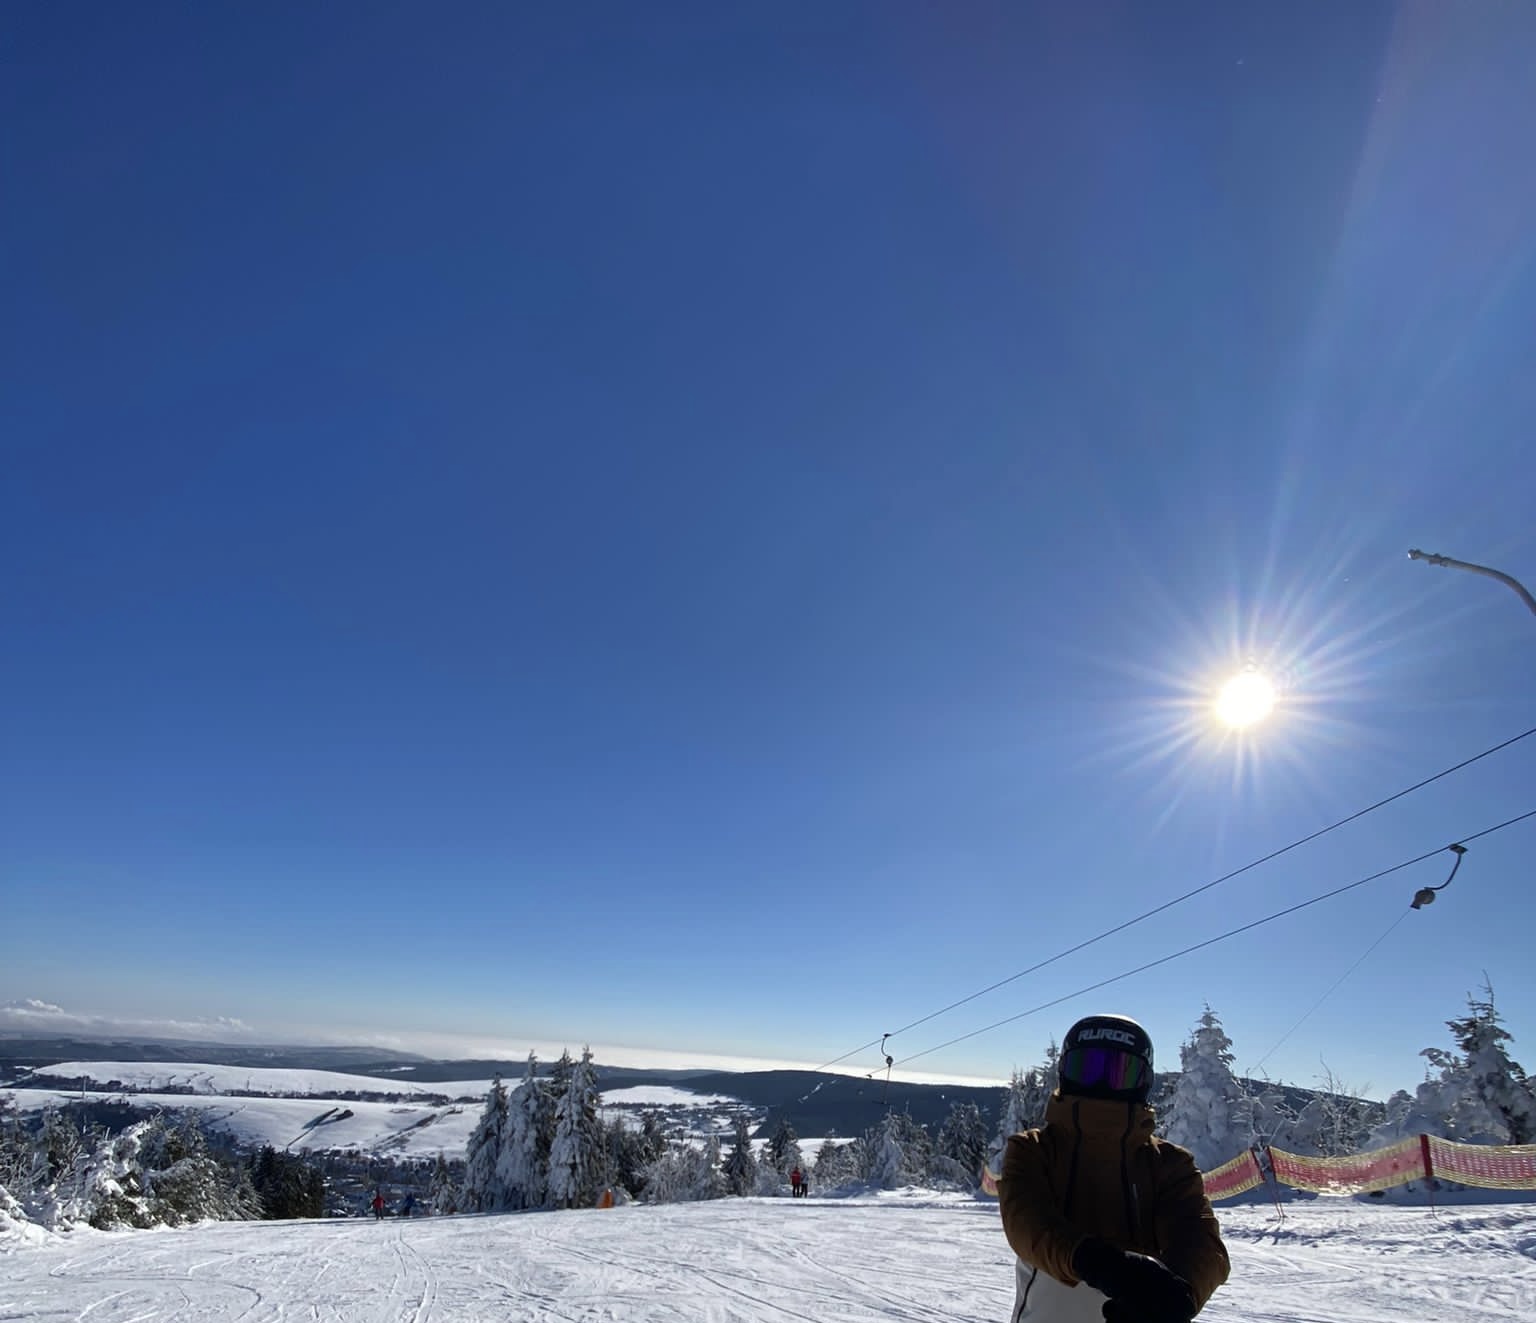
x: 67, y: 1168
x: 1472, y: 1093
x: 546, y: 1145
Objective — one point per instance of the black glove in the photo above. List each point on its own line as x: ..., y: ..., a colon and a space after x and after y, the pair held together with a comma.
x: 1124, y: 1311
x: 1144, y: 1289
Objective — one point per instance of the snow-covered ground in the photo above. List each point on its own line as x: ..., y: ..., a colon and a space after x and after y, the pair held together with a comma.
x: 909, y: 1256
x: 658, y: 1095
x: 403, y: 1129
x: 163, y: 1076
x: 166, y: 1076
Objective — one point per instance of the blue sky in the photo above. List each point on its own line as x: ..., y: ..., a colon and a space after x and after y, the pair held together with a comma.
x: 717, y: 528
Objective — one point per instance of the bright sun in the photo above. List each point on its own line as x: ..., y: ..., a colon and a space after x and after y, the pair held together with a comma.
x: 1245, y: 699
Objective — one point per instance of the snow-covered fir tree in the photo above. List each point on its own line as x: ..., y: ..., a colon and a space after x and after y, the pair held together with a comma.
x: 960, y: 1149
x: 633, y: 1150
x: 522, y: 1167
x: 740, y: 1169
x: 482, y: 1192
x: 155, y: 1172
x: 1024, y: 1103
x: 182, y: 1181
x: 900, y: 1152
x: 782, y: 1152
x: 708, y: 1180
x: 839, y: 1164
x: 1209, y: 1112
x: 61, y: 1145
x: 1479, y: 1094
x: 15, y: 1149
x: 443, y: 1188
x: 578, y: 1160
x: 286, y: 1185
x: 684, y: 1171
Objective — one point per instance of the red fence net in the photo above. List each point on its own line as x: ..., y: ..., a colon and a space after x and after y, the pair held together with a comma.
x: 1233, y: 1178
x: 1351, y: 1173
x: 1505, y: 1167
x: 1487, y: 1166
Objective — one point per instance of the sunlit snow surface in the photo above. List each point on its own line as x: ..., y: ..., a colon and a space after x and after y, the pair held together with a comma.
x: 158, y: 1076
x: 409, y: 1129
x: 911, y: 1257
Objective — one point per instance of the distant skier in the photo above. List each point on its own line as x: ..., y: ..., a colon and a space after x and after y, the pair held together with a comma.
x: 1107, y: 1222
x: 407, y: 1205
x: 378, y: 1206
x: 794, y: 1183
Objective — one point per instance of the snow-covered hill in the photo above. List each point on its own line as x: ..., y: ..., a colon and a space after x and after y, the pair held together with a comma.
x: 409, y: 1129
x: 288, y: 1109
x: 182, y: 1076
x: 902, y: 1257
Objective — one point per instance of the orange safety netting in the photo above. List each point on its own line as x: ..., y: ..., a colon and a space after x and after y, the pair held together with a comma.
x: 1490, y: 1167
x: 1232, y: 1178
x: 1351, y: 1173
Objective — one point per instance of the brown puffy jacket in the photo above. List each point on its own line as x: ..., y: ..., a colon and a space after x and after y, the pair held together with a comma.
x: 1095, y: 1169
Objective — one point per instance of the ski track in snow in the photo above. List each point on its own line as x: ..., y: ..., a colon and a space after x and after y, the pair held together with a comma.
x: 908, y: 1257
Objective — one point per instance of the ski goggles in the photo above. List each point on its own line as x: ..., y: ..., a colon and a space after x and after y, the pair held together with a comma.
x: 1103, y: 1067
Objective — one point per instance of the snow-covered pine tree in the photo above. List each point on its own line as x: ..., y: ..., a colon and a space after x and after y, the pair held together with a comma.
x: 523, y: 1168
x: 1482, y: 1095
x: 106, y: 1187
x: 783, y: 1150
x: 578, y: 1165
x: 560, y: 1077
x: 708, y: 1181
x: 961, y: 1146
x: 482, y: 1153
x: 740, y: 1170
x: 57, y: 1190
x: 672, y: 1176
x: 60, y: 1146
x: 183, y: 1182
x: 900, y: 1152
x: 16, y: 1166
x: 1024, y: 1103
x: 838, y: 1164
x: 633, y: 1150
x: 1209, y: 1113
x: 443, y: 1188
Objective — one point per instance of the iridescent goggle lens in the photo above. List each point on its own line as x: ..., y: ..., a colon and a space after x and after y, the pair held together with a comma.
x: 1107, y: 1067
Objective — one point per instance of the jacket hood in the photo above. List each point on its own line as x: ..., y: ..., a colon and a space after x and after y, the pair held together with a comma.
x: 1101, y: 1118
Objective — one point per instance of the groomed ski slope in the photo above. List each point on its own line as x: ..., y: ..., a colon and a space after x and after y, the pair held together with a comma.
x: 912, y: 1257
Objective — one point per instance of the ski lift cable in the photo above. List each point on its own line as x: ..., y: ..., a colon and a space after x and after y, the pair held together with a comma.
x: 1178, y: 900
x: 1212, y: 941
x: 1459, y: 850
x: 1336, y: 985
x: 1189, y: 895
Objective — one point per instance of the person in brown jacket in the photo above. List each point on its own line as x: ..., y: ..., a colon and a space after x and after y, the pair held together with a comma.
x: 1107, y: 1221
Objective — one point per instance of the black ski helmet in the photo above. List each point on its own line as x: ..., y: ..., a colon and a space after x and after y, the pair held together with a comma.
x: 1106, y: 1056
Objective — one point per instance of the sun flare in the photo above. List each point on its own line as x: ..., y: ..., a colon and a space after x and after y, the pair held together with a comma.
x: 1245, y: 699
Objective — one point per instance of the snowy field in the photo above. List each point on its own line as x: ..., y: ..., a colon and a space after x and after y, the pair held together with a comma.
x: 161, y: 1076
x: 405, y: 1129
x: 417, y: 1130
x: 913, y: 1257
